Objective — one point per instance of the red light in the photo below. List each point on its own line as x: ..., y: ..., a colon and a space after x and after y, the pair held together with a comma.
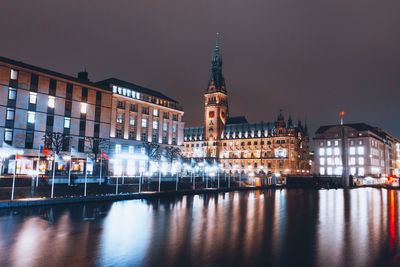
x: 342, y: 113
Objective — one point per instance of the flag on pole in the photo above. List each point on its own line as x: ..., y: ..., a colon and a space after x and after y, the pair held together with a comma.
x: 45, y: 151
x: 104, y: 155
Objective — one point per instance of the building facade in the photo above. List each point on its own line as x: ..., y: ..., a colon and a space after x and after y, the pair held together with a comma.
x: 35, y: 101
x: 140, y: 115
x: 369, y: 151
x: 271, y: 147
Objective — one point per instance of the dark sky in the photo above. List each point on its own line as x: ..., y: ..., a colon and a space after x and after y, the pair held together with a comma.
x: 310, y: 58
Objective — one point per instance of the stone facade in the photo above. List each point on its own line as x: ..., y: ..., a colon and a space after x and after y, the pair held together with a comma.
x: 270, y: 147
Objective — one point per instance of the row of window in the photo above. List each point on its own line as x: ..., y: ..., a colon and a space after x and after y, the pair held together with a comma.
x: 336, y: 151
x: 136, y: 95
x: 143, y: 137
x: 144, y: 123
x: 10, y: 116
x: 51, y: 102
x: 339, y: 170
x: 338, y: 161
x: 269, y: 165
x: 249, y: 143
x: 145, y: 110
x: 336, y: 143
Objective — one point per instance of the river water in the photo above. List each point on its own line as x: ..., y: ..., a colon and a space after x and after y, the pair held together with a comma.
x: 282, y: 227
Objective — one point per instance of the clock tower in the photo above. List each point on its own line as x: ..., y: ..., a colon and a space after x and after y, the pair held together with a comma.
x: 216, y: 102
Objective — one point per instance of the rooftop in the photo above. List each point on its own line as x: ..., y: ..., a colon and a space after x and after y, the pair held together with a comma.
x: 50, y: 72
x: 138, y: 88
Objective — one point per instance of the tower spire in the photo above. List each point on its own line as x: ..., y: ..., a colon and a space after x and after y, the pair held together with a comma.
x: 217, y: 81
x: 290, y: 121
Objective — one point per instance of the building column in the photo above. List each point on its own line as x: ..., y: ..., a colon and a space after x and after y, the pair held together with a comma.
x: 150, y: 125
x: 160, y: 126
x: 113, y: 117
x: 170, y: 129
x: 139, y: 122
x: 126, y: 120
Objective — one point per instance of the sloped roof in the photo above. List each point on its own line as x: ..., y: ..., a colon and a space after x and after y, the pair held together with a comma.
x: 236, y: 120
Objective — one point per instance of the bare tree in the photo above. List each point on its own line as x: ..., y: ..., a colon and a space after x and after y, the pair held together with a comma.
x: 152, y: 151
x: 172, y: 153
x: 96, y: 144
x: 55, y: 140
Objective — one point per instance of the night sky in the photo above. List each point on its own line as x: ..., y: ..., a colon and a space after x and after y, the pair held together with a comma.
x: 310, y: 58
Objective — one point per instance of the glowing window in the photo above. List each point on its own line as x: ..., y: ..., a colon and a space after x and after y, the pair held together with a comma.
x: 51, y: 102
x: 10, y: 114
x: 360, y: 161
x: 144, y: 123
x: 67, y: 122
x: 352, y: 150
x: 155, y: 125
x: 32, y: 98
x: 118, y: 148
x: 322, y: 161
x: 12, y: 93
x: 8, y: 134
x: 119, y: 118
x: 322, y: 151
x: 31, y: 117
x: 83, y: 108
x: 360, y: 150
x: 329, y: 151
x: 336, y: 151
x: 361, y: 171
x: 322, y: 171
x: 14, y: 75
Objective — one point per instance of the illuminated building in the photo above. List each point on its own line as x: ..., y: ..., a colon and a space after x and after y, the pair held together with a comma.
x: 140, y: 115
x: 370, y: 151
x: 35, y: 100
x: 273, y: 147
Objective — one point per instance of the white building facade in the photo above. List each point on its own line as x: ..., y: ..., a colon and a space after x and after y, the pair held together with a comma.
x: 370, y: 151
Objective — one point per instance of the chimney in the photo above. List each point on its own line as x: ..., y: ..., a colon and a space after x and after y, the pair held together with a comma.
x: 83, y: 75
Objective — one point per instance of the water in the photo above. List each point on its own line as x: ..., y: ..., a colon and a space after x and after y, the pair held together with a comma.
x: 294, y: 227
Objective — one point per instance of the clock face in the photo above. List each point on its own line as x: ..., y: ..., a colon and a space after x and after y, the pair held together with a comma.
x: 211, y: 114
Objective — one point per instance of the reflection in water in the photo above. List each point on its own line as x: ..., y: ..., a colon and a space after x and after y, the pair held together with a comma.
x: 293, y: 227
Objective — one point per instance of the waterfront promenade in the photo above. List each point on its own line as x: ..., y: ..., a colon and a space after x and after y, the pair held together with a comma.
x: 126, y: 188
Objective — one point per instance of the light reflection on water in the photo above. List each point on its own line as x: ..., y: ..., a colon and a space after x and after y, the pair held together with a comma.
x: 293, y: 227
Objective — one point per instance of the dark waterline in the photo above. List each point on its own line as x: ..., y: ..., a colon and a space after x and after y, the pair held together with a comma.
x: 289, y: 227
